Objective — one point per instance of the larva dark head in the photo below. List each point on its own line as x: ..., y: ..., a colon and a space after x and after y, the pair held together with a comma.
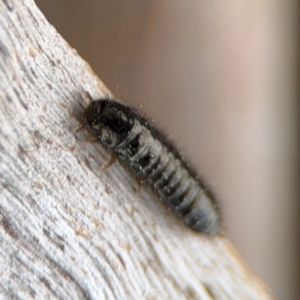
x: 109, y: 120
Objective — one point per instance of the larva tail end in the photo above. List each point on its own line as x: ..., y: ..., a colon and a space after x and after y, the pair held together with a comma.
x: 203, y: 221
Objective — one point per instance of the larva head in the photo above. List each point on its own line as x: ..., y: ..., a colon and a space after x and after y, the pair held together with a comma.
x: 109, y: 121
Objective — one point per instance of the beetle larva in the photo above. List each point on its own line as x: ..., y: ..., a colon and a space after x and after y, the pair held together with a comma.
x: 154, y: 159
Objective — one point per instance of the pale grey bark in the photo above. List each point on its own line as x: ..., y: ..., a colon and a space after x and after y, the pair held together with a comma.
x: 68, y: 229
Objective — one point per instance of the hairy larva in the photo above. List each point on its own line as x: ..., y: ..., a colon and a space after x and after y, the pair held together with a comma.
x: 148, y: 153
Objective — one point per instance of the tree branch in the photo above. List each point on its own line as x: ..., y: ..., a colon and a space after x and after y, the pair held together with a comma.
x: 69, y: 229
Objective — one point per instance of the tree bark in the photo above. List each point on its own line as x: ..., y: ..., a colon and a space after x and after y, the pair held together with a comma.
x: 68, y: 228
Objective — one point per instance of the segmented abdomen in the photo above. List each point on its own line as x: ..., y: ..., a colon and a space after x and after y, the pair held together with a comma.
x: 150, y: 160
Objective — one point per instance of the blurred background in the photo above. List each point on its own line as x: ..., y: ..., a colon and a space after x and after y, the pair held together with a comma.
x: 222, y: 77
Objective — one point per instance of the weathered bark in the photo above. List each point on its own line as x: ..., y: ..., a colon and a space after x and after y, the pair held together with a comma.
x: 69, y: 229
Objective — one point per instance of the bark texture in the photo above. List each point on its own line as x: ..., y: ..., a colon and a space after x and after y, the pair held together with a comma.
x: 69, y: 229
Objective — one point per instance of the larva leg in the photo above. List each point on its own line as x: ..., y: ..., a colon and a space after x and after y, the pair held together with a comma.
x: 112, y: 160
